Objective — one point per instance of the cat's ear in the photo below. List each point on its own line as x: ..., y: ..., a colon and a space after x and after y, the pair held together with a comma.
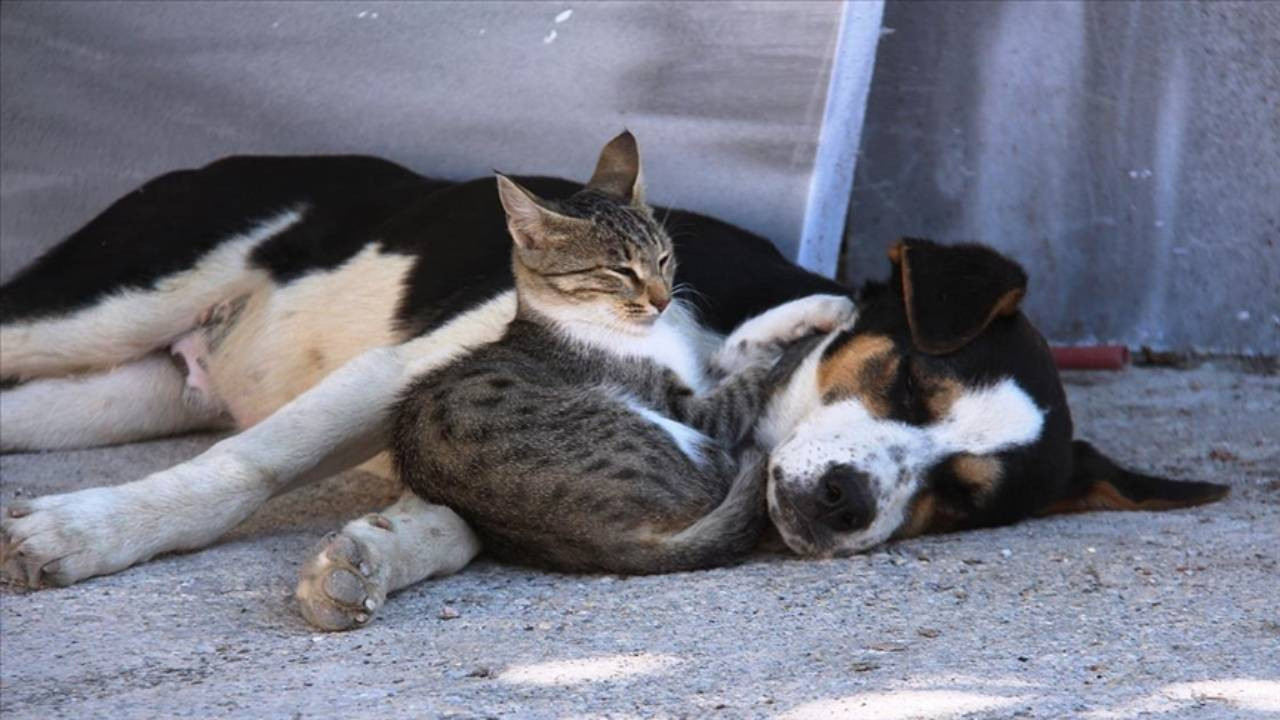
x: 528, y: 218
x: 618, y: 170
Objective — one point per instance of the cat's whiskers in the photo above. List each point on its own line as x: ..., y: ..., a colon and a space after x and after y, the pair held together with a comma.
x: 683, y: 290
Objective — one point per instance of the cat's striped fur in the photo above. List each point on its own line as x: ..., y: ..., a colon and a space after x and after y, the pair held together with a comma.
x: 560, y: 444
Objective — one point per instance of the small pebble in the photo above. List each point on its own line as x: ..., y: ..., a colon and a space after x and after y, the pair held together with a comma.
x: 888, y: 647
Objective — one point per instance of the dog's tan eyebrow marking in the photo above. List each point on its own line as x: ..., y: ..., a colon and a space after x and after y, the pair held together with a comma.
x: 863, y: 367
x: 920, y: 516
x: 926, y: 516
x: 979, y: 473
x: 941, y: 393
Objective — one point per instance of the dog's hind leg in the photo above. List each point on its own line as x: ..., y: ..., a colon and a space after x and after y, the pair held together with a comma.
x: 122, y: 322
x: 351, y: 573
x: 142, y: 399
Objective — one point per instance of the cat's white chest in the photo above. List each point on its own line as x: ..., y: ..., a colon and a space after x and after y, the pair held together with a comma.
x: 672, y: 347
x: 674, y: 342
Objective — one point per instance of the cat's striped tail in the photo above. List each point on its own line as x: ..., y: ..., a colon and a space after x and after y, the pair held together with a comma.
x: 723, y: 535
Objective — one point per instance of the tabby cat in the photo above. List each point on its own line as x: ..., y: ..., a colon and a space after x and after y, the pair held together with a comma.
x: 587, y: 438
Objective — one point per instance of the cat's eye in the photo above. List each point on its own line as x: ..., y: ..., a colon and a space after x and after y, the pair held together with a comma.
x: 626, y: 272
x: 662, y: 261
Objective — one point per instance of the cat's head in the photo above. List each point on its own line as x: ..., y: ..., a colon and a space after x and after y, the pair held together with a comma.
x: 598, y: 257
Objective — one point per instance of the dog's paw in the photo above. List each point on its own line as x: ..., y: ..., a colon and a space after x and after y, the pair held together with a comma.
x: 760, y: 340
x: 60, y: 539
x: 344, y: 583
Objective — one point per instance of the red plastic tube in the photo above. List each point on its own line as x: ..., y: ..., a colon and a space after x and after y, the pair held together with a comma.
x: 1091, y: 357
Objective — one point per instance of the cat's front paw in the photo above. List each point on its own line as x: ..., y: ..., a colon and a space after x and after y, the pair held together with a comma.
x: 760, y: 340
x: 345, y: 581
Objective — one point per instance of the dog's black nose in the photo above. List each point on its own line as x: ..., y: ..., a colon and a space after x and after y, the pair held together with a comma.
x: 844, y: 501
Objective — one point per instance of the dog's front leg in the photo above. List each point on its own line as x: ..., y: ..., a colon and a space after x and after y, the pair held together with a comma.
x: 342, y: 421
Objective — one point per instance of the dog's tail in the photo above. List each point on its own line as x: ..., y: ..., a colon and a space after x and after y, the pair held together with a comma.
x: 721, y: 536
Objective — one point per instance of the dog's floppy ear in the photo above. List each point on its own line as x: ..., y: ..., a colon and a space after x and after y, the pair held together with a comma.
x: 952, y: 293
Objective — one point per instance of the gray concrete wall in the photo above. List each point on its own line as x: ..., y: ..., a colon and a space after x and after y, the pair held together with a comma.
x: 95, y: 97
x: 1127, y: 153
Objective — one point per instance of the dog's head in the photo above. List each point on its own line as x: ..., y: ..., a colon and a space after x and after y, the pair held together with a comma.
x: 940, y: 409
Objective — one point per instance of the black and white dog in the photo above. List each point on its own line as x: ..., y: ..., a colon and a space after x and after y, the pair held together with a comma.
x: 294, y: 298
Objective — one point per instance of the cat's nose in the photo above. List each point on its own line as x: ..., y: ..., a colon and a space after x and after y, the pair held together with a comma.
x: 659, y: 298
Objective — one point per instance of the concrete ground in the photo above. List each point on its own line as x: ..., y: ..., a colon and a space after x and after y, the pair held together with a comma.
x: 1093, y: 616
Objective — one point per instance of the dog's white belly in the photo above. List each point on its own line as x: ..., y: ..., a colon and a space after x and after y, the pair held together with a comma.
x: 277, y: 342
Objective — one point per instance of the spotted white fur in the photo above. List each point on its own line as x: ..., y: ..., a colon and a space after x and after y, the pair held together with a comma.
x: 807, y: 438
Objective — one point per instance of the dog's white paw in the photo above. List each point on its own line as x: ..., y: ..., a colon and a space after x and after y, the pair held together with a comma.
x: 61, y: 539
x: 760, y: 340
x: 345, y: 582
